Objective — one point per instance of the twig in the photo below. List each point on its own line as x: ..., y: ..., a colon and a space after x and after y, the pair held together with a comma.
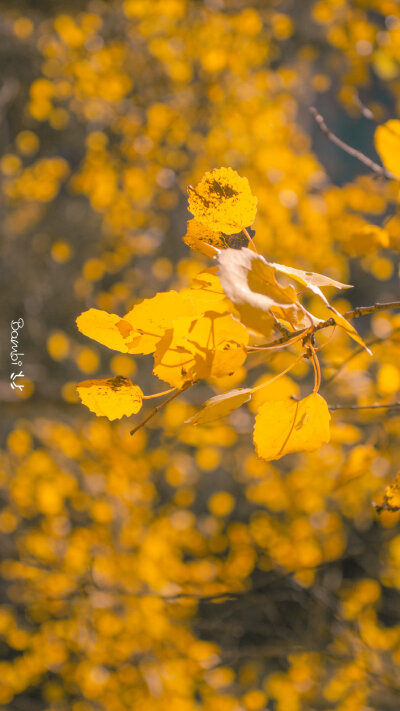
x: 354, y: 313
x: 376, y: 406
x: 160, y: 406
x: 375, y: 167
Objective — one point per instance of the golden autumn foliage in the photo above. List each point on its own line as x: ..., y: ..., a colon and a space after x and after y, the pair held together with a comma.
x: 240, y: 551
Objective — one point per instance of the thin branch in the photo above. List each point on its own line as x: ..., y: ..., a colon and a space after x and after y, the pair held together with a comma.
x: 376, y: 406
x: 365, y: 310
x: 160, y: 406
x: 354, y: 313
x: 375, y: 167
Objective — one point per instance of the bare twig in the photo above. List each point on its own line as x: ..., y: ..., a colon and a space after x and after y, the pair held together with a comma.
x: 375, y: 167
x: 376, y: 406
x: 354, y: 313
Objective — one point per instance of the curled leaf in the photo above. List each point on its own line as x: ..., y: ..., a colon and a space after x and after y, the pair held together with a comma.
x: 251, y: 284
x: 223, y: 201
x: 113, y: 397
x: 311, y: 280
x: 220, y: 406
x: 287, y: 426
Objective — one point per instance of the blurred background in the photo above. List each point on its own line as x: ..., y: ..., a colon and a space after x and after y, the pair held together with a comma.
x: 175, y: 567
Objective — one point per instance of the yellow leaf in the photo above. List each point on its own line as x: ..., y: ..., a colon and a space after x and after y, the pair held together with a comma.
x: 206, y: 294
x: 220, y: 406
x: 391, y: 497
x: 287, y: 426
x: 223, y: 201
x: 387, y: 143
x: 278, y: 390
x: 250, y: 283
x: 311, y: 280
x: 113, y: 397
x: 203, y: 239
x: 212, y: 346
x: 150, y: 319
x: 350, y: 330
x: 108, y: 329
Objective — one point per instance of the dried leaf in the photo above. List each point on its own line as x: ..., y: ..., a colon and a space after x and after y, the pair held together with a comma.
x: 387, y: 143
x: 250, y: 283
x: 287, y: 426
x: 223, y: 201
x: 311, y: 280
x: 220, y: 406
x: 113, y: 398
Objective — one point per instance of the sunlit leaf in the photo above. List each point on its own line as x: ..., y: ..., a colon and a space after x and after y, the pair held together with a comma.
x: 113, y: 397
x: 108, y: 329
x: 220, y: 406
x: 151, y: 318
x: 387, y: 143
x: 350, y: 330
x: 311, y: 280
x: 212, y: 346
x: 203, y: 239
x: 223, y: 201
x: 287, y: 426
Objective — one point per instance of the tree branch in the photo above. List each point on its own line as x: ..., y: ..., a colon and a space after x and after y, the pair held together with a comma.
x: 375, y: 167
x: 376, y: 406
x: 354, y: 313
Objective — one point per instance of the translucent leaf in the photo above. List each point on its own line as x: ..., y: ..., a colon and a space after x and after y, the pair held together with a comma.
x: 113, y: 397
x: 150, y: 319
x: 287, y: 426
x: 387, y: 143
x: 311, y: 280
x: 350, y: 330
x: 108, y: 329
x: 220, y: 406
x: 223, y: 201
x: 212, y: 346
x: 391, y: 497
x: 199, y: 237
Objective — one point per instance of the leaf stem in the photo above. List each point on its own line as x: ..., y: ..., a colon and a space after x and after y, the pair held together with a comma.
x: 165, y: 392
x: 250, y: 240
x: 160, y: 406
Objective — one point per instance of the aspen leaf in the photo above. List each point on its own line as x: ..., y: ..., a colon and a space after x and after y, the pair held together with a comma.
x: 350, y: 330
x: 387, y: 143
x: 286, y: 426
x: 391, y: 497
x: 311, y: 280
x: 220, y: 406
x: 151, y: 318
x: 250, y: 283
x: 108, y: 329
x: 223, y: 201
x: 212, y: 346
x: 113, y: 397
x: 203, y: 239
